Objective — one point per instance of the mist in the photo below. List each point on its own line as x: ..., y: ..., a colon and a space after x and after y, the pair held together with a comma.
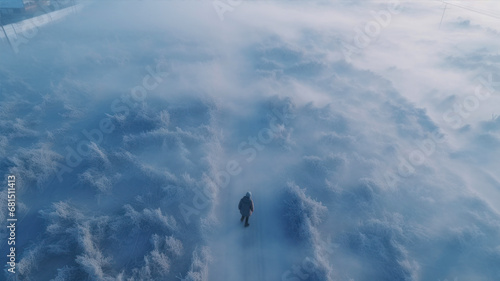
x: 367, y: 133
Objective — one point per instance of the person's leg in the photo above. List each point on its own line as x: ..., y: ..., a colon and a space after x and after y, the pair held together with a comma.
x: 242, y: 217
x: 246, y: 221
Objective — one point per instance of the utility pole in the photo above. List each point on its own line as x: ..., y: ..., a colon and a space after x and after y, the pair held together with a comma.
x: 444, y: 10
x: 5, y: 33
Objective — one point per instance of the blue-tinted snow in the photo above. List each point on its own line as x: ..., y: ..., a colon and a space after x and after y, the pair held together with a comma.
x: 355, y: 172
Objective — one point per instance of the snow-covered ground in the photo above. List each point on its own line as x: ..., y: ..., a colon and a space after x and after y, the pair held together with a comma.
x: 367, y: 132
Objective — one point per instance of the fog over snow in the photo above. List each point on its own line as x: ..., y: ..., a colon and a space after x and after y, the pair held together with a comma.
x: 367, y: 132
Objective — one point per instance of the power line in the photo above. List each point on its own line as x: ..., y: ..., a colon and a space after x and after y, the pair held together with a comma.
x: 444, y: 10
x: 475, y: 10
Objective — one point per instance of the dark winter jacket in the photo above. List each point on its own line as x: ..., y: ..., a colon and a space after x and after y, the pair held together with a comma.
x: 246, y: 206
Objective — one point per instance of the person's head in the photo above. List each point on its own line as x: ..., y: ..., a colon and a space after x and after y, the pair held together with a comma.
x: 249, y: 194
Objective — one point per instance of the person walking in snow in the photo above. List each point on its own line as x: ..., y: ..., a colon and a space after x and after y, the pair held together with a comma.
x: 246, y: 207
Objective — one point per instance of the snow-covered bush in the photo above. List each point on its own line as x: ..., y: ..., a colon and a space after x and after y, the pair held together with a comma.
x: 199, y: 265
x: 301, y: 212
